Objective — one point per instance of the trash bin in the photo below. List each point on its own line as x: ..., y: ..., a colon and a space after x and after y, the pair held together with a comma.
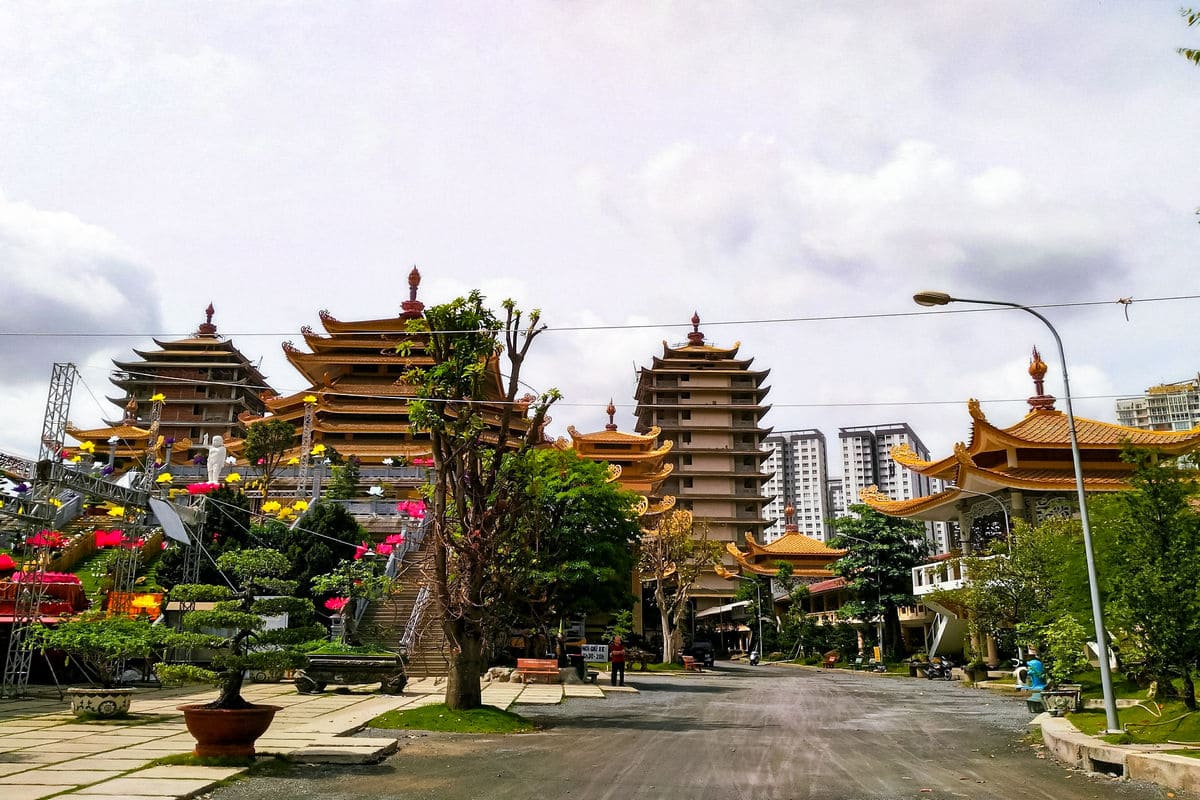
x: 579, y: 664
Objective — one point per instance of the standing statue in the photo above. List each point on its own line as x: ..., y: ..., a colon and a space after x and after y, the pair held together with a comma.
x: 216, y: 459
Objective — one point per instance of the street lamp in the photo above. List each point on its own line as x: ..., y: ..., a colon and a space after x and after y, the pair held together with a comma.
x: 994, y: 499
x: 878, y: 591
x: 758, y: 595
x: 1110, y: 703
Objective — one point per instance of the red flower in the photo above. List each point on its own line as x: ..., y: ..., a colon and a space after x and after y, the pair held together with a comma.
x: 336, y: 603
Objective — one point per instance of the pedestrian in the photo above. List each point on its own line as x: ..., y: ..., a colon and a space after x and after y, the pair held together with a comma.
x: 616, y: 655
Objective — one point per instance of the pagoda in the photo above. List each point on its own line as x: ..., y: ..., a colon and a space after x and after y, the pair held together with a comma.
x: 1025, y: 468
x: 357, y: 387
x: 709, y: 401
x: 205, y: 381
x: 123, y: 444
x: 809, y: 558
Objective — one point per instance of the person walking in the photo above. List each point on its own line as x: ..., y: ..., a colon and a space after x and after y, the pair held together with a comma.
x: 616, y: 655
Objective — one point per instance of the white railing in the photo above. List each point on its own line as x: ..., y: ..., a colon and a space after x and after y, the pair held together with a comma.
x: 941, y: 575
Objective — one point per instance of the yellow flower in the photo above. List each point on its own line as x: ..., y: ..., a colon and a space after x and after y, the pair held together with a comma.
x: 164, y: 478
x: 318, y: 450
x: 300, y: 505
x: 293, y: 461
x: 117, y: 511
x: 310, y: 399
x: 284, y: 513
x: 88, y: 447
x: 271, y: 506
x: 1, y: 504
x: 54, y: 501
x: 233, y: 477
x: 75, y: 459
x: 158, y: 398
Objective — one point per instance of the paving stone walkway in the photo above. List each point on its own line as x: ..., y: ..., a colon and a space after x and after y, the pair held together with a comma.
x: 46, y: 752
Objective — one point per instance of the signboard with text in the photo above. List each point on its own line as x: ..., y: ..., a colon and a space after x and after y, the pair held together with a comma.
x: 595, y: 652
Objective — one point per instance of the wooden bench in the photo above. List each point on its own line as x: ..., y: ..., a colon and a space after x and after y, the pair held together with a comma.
x: 830, y: 660
x: 534, y: 668
x: 690, y: 665
x: 856, y: 664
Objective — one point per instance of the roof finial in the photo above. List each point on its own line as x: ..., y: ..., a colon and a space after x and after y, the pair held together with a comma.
x: 1037, y: 370
x: 207, y: 328
x: 695, y: 337
x: 611, y: 411
x: 412, y: 307
x: 789, y: 515
x: 131, y: 409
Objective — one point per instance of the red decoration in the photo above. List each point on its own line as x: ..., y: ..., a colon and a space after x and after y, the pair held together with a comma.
x: 202, y: 488
x: 6, y: 563
x: 336, y: 603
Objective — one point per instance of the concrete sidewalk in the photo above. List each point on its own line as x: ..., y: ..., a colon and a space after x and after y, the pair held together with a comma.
x: 45, y: 751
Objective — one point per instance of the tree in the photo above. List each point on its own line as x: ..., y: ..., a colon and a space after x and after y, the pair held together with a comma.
x: 572, y: 550
x: 328, y: 535
x: 1192, y: 16
x: 672, y: 557
x: 344, y: 482
x: 267, y: 441
x: 882, y: 552
x: 475, y: 424
x: 1151, y: 550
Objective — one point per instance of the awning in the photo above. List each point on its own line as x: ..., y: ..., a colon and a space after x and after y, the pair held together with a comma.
x: 708, y: 612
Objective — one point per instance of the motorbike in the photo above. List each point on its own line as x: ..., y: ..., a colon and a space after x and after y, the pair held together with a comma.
x: 939, y: 669
x: 754, y: 658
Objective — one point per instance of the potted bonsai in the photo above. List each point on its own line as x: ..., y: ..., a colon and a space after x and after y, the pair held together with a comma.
x: 99, y: 645
x: 1065, y: 658
x: 235, y: 629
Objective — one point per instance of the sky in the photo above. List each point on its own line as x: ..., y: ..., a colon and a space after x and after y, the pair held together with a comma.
x: 793, y: 172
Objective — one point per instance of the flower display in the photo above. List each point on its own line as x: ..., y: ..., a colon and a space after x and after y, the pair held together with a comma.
x: 422, y: 461
x: 293, y: 461
x: 117, y: 511
x: 233, y: 477
x: 47, y: 538
x: 6, y: 563
x: 361, y: 550
x: 202, y: 488
x: 300, y: 505
x: 109, y: 538
x: 230, y: 460
x: 164, y: 478
x: 413, y: 508
x: 318, y: 450
x: 375, y: 491
x: 395, y: 538
x: 158, y: 397
x: 384, y: 549
x: 45, y: 577
x: 271, y: 506
x: 88, y: 447
x: 336, y: 603
x: 75, y: 459
x: 309, y: 399
x: 387, y: 462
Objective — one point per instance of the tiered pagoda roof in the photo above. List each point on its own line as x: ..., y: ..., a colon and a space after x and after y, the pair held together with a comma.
x: 132, y: 440
x: 356, y: 374
x: 1033, y: 455
x: 809, y: 558
x: 206, y: 381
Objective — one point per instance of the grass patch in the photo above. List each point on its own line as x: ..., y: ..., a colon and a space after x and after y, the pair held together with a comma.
x: 1174, y: 724
x: 1090, y: 681
x: 127, y: 721
x: 339, y: 649
x: 192, y: 760
x: 486, y: 719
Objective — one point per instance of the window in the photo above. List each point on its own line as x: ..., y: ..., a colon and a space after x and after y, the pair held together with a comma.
x: 685, y: 438
x: 687, y: 483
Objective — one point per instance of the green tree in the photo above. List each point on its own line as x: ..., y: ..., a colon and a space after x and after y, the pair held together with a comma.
x: 1151, y: 552
x: 671, y: 558
x: 328, y: 535
x: 267, y: 441
x: 571, y: 551
x: 476, y: 423
x: 881, y: 552
x: 1192, y: 16
x: 344, y: 483
x: 226, y: 529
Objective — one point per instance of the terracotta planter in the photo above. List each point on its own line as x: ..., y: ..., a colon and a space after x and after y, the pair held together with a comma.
x: 227, y: 731
x: 104, y: 703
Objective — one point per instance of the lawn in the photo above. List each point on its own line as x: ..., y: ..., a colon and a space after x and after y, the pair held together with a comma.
x: 1145, y: 724
x: 486, y: 719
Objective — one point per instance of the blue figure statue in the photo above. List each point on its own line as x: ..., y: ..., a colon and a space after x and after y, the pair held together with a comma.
x: 1035, y: 673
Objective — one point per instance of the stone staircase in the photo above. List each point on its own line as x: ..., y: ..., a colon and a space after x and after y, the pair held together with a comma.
x: 385, y: 621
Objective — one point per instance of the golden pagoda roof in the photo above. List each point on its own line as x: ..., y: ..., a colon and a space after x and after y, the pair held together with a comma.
x: 124, y: 432
x: 808, y: 557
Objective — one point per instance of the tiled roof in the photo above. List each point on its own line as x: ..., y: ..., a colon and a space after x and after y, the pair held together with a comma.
x: 827, y: 586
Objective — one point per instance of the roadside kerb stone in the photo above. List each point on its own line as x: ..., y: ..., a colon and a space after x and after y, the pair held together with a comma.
x: 583, y: 690
x: 1139, y: 762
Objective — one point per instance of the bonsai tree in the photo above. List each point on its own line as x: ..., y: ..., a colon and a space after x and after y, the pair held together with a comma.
x: 353, y: 580
x: 99, y: 644
x: 250, y: 646
x: 1065, y: 642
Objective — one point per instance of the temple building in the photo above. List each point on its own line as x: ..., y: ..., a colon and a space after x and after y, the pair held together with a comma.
x: 638, y: 463
x: 357, y: 388
x: 709, y: 402
x: 205, y: 381
x: 1023, y: 471
x: 808, y: 558
x: 124, y: 444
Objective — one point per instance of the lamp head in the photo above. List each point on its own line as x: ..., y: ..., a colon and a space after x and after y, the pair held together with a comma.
x: 932, y: 298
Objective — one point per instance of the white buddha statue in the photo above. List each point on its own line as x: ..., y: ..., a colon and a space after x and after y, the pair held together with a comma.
x: 216, y: 459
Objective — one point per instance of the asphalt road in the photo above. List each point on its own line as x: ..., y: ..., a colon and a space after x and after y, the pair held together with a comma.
x: 759, y: 733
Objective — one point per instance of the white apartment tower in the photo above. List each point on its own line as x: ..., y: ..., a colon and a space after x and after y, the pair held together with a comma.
x: 800, y: 479
x: 1166, y: 407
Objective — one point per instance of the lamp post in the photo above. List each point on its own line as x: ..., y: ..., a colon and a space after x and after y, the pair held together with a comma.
x: 758, y: 595
x: 878, y: 591
x: 1110, y: 703
x: 996, y: 500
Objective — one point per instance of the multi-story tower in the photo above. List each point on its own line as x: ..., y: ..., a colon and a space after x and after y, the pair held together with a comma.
x: 1166, y: 407
x: 866, y: 462
x: 800, y: 479
x: 837, y: 498
x: 207, y: 384
x: 709, y: 402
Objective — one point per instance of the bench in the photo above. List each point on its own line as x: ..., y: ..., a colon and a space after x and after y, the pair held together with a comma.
x: 534, y: 668
x: 690, y: 665
x: 830, y: 660
x: 636, y: 655
x: 856, y: 664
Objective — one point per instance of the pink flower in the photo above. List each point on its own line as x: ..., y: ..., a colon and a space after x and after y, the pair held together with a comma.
x: 361, y: 550
x: 7, y: 563
x: 202, y: 488
x: 383, y: 549
x: 395, y: 538
x: 336, y: 603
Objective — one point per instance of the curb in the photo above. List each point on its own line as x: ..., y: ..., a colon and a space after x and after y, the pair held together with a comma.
x: 1136, y: 762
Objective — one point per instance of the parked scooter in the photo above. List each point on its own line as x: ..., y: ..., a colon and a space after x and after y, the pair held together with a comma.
x: 939, y: 668
x: 754, y: 658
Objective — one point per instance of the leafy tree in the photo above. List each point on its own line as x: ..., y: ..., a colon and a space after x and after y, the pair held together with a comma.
x: 1192, y: 16
x: 345, y: 479
x: 1151, y: 552
x: 571, y: 551
x: 329, y: 534
x: 267, y: 441
x: 356, y: 580
x: 226, y: 529
x: 476, y: 424
x: 882, y: 551
x: 671, y: 558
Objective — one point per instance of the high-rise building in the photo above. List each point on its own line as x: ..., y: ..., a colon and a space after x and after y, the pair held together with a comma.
x: 800, y: 478
x: 1166, y: 407
x: 837, y: 498
x: 709, y: 402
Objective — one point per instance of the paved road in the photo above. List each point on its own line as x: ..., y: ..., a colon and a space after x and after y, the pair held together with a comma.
x: 765, y: 733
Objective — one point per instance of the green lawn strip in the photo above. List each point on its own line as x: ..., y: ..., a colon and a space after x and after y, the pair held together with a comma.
x: 1090, y: 681
x: 486, y: 719
x: 1174, y: 724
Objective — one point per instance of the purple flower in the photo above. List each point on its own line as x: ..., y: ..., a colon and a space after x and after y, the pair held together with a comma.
x: 21, y: 487
x: 200, y: 459
x: 106, y: 471
x: 170, y: 440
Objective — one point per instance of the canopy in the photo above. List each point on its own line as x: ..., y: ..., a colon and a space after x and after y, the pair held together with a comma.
x: 708, y: 612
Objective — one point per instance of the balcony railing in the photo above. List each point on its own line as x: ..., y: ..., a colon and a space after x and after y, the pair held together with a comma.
x: 941, y: 575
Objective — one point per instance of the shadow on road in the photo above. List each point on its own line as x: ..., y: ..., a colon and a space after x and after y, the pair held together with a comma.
x: 671, y: 724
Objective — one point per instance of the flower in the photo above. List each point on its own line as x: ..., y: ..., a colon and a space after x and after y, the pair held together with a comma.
x: 230, y: 460
x: 395, y: 538
x: 260, y: 462
x: 117, y: 511
x: 54, y: 501
x: 108, y: 538
x: 88, y: 447
x: 202, y: 488
x: 387, y: 462
x: 158, y: 397
x: 271, y: 506
x: 106, y: 471
x: 375, y: 491
x: 170, y: 440
x: 164, y: 478
x: 309, y: 399
x: 293, y: 461
x: 336, y: 603
x: 361, y: 550
x: 300, y: 505
x: 384, y: 549
x: 318, y: 450
x: 6, y: 562
x: 232, y: 477
x: 413, y: 508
